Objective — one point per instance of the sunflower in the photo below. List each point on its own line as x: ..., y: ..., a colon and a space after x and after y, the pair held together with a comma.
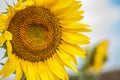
x: 96, y: 58
x: 42, y: 37
x: 100, y: 55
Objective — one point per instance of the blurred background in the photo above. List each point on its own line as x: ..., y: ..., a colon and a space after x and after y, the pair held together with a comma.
x: 103, y: 16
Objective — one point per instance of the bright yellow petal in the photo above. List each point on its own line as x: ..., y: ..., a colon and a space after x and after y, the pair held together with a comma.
x: 18, y: 3
x: 5, y: 36
x: 3, y: 22
x: 43, y: 71
x: 73, y: 10
x: 75, y: 38
x: 57, y: 68
x: 8, y: 68
x: 72, y: 49
x: 12, y: 63
x: 45, y: 3
x: 76, y: 14
x: 31, y: 70
x: 78, y: 30
x: 39, y: 2
x: 70, y: 15
x: 23, y: 5
x: 25, y: 69
x: 70, y: 57
x: 2, y: 39
x: 8, y: 35
x: 11, y: 13
x: 66, y: 61
x: 75, y: 26
x: 5, y: 67
x: 57, y: 7
x: 36, y: 71
x: 71, y: 20
x: 9, y: 50
x: 51, y: 75
x: 49, y: 3
x: 19, y: 72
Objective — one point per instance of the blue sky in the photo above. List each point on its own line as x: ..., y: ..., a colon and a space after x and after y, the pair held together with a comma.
x: 115, y: 3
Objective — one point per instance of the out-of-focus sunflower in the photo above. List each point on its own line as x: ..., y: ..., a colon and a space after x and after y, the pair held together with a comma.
x: 95, y: 60
x: 42, y: 36
x: 96, y: 57
x: 100, y: 55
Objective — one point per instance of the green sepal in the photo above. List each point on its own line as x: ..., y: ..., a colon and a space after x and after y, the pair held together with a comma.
x: 1, y: 63
x: 3, y: 12
x: 7, y: 4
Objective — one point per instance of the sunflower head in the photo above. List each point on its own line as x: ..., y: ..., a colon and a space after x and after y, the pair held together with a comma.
x: 100, y: 55
x: 42, y: 35
x: 97, y: 57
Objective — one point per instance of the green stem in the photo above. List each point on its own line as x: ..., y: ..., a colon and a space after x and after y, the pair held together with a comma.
x: 23, y: 77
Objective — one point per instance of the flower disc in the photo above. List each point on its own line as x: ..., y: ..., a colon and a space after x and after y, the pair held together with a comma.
x: 36, y: 33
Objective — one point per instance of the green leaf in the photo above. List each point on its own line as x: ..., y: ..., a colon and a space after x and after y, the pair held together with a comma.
x: 23, y: 77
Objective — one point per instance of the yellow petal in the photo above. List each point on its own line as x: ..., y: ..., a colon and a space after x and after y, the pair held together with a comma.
x: 75, y: 26
x: 25, y: 68
x: 72, y: 15
x: 39, y: 2
x: 5, y: 67
x: 75, y: 38
x: 19, y: 72
x: 70, y: 57
x: 18, y: 3
x: 57, y: 7
x: 66, y: 61
x: 23, y: 5
x: 45, y: 3
x: 31, y: 70
x: 3, y: 22
x: 72, y: 49
x: 71, y: 11
x: 71, y: 20
x: 5, y: 36
x: 36, y: 71
x: 78, y: 30
x: 57, y: 68
x: 8, y: 35
x: 8, y: 68
x: 43, y: 71
x: 11, y: 12
x: 2, y: 39
x: 49, y: 73
x: 9, y: 50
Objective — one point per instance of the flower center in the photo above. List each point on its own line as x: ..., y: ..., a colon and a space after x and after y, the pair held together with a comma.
x: 36, y: 34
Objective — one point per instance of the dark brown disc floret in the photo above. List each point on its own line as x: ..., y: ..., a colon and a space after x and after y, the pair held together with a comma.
x: 36, y: 33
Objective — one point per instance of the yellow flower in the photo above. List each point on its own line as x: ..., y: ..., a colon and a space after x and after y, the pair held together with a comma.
x: 42, y: 36
x: 100, y: 55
